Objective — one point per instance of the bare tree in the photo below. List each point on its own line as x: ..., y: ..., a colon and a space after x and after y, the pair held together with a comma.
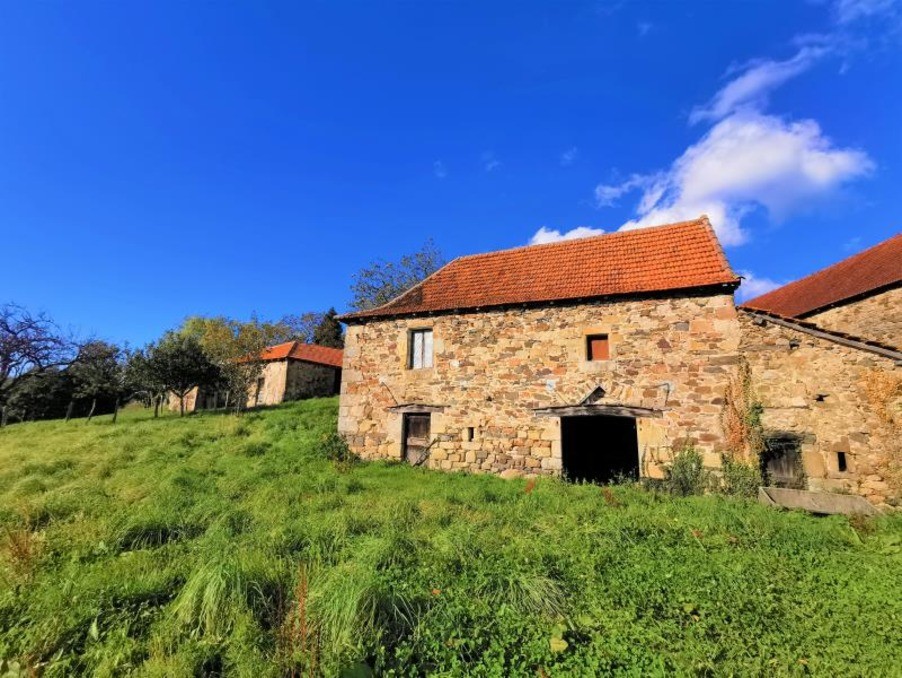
x: 30, y: 344
x: 301, y: 327
x: 382, y: 281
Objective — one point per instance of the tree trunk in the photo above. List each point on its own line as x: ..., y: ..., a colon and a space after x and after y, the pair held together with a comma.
x: 69, y: 410
x: 2, y: 416
x: 226, y: 405
x: 116, y: 410
x: 157, y: 400
x: 93, y: 406
x: 182, y: 405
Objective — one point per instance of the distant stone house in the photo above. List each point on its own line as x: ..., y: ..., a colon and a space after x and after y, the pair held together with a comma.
x: 592, y: 358
x: 825, y: 354
x: 291, y: 371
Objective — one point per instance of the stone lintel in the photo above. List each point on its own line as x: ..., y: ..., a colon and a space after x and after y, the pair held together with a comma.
x: 414, y: 408
x: 596, y: 410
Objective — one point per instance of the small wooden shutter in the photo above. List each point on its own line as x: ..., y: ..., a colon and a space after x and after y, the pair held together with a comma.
x: 598, y: 347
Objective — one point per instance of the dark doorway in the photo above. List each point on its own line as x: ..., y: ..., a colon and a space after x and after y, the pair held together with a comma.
x: 599, y: 448
x: 416, y: 437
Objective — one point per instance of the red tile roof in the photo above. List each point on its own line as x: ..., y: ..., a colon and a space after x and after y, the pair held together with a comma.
x: 310, y: 353
x: 679, y: 256
x: 861, y: 274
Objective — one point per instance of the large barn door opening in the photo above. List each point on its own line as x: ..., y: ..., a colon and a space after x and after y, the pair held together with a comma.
x: 416, y: 437
x: 599, y: 448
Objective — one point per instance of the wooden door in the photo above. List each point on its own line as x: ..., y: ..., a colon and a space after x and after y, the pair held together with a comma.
x: 416, y: 436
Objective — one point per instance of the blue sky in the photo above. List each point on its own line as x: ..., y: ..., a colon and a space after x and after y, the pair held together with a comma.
x: 165, y: 159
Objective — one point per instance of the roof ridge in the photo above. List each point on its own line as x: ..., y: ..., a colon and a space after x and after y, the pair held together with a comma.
x: 570, y: 241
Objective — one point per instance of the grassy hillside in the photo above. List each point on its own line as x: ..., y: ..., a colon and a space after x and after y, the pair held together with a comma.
x: 223, y: 545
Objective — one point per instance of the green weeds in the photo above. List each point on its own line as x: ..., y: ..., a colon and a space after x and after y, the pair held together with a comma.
x: 257, y: 545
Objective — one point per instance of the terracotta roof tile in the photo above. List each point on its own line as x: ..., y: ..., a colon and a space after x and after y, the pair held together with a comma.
x: 677, y: 256
x: 874, y: 269
x: 310, y: 353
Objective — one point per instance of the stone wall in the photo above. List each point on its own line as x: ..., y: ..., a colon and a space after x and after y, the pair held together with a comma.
x: 310, y: 380
x: 878, y: 318
x: 493, y: 368
x: 836, y: 399
x: 275, y: 379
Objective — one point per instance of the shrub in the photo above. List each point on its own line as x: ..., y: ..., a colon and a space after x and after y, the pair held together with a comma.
x: 335, y: 449
x: 686, y: 474
x: 738, y: 478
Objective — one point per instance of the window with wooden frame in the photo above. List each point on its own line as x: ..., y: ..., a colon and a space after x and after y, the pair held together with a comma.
x: 597, y: 347
x: 419, y: 354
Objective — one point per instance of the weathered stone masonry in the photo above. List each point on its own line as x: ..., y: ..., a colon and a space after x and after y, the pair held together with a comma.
x: 877, y: 317
x: 493, y: 368
x: 837, y: 399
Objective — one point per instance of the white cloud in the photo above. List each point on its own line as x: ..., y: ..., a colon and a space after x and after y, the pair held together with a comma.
x: 746, y: 161
x: 438, y: 169
x: 750, y: 160
x: 752, y: 286
x: 643, y: 28
x: 607, y: 195
x: 490, y: 162
x: 848, y: 11
x: 756, y: 80
x: 544, y: 235
x: 569, y: 156
x: 852, y: 244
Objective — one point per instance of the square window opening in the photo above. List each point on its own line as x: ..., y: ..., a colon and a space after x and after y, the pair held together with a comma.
x: 420, y: 349
x: 598, y: 347
x: 469, y: 433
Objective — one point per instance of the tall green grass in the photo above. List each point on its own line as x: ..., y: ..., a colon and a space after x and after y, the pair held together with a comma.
x: 218, y: 545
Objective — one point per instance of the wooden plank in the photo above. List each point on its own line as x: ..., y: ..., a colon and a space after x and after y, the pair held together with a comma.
x: 597, y: 410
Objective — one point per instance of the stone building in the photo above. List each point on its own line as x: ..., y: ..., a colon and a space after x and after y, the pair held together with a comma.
x: 591, y: 357
x: 825, y: 355
x: 291, y: 371
x: 860, y: 296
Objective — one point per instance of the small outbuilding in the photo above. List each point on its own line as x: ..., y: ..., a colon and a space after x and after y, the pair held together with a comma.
x: 291, y: 371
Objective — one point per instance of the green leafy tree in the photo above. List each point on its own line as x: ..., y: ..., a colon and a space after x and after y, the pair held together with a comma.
x: 382, y: 281
x: 97, y: 373
x: 234, y: 347
x: 180, y: 363
x: 45, y: 396
x: 143, y: 380
x: 329, y: 332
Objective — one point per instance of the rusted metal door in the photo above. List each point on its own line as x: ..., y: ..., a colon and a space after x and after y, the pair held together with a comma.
x: 416, y: 436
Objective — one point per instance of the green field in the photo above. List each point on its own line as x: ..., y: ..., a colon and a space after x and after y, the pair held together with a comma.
x: 223, y: 545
